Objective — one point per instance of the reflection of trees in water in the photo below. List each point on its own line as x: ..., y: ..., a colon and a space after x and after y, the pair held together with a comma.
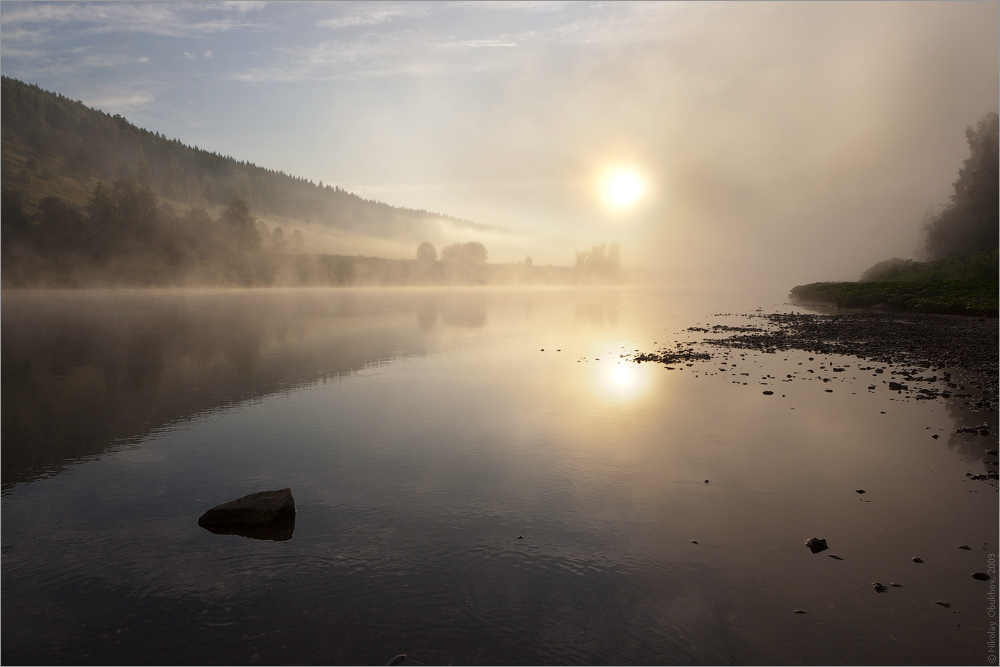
x: 599, y: 310
x: 83, y: 372
x: 464, y: 311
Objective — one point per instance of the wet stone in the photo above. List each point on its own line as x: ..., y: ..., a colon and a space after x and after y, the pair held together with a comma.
x: 816, y: 545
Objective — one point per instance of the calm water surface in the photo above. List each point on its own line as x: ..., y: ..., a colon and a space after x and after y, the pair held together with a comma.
x: 481, y: 476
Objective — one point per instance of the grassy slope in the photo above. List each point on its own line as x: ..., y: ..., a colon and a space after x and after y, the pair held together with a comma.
x: 966, y: 286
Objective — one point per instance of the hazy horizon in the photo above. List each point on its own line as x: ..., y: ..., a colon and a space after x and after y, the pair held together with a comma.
x: 777, y: 143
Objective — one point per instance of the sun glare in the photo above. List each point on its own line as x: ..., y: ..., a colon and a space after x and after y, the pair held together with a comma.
x: 622, y: 187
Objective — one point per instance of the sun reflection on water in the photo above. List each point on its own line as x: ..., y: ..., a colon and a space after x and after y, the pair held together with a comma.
x: 621, y: 381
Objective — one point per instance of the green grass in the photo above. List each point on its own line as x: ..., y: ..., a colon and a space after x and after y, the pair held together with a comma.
x: 964, y: 286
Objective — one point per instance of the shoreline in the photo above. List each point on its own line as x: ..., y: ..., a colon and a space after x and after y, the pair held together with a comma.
x: 927, y: 346
x: 932, y: 297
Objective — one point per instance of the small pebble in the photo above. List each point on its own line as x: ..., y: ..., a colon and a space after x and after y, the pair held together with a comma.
x: 917, y: 560
x: 694, y: 541
x: 835, y: 557
x: 895, y: 585
x: 879, y: 588
x: 859, y: 490
x: 800, y: 611
x: 965, y: 547
x: 946, y: 605
x: 981, y: 576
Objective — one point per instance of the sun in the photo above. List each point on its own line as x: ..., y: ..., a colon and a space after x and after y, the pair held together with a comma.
x: 622, y: 187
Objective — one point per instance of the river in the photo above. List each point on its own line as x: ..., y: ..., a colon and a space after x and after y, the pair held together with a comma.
x: 481, y: 476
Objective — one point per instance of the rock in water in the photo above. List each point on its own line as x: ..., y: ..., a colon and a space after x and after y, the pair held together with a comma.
x: 816, y: 545
x: 253, y: 510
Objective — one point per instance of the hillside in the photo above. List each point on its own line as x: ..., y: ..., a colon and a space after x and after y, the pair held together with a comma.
x: 54, y: 146
x: 90, y: 199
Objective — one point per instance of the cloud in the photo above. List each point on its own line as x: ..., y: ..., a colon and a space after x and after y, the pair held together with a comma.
x: 37, y: 21
x: 120, y: 101
x: 367, y: 13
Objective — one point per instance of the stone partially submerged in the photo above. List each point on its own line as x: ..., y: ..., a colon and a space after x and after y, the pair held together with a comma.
x: 257, y: 510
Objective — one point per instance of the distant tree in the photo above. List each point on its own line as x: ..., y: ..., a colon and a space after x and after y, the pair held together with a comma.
x: 471, y: 253
x: 601, y: 260
x: 15, y: 221
x: 278, y: 240
x: 297, y: 240
x: 426, y: 252
x: 241, y: 225
x: 969, y: 223
x: 263, y: 230
x: 889, y: 269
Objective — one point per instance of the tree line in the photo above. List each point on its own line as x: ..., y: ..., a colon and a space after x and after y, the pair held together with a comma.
x: 88, y: 144
x: 123, y: 235
x: 961, y: 241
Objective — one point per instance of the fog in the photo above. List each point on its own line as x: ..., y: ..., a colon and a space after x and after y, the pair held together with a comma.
x: 779, y: 143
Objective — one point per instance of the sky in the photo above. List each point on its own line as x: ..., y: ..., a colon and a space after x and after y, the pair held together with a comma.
x: 781, y: 143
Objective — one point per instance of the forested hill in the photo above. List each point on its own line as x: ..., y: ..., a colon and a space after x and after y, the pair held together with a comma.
x: 56, y: 146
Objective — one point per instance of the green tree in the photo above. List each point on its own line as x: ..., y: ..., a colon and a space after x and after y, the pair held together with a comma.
x: 240, y: 225
x: 969, y: 223
x: 426, y: 252
x: 471, y: 253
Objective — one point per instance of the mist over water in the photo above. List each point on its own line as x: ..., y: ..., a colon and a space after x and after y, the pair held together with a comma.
x: 480, y: 476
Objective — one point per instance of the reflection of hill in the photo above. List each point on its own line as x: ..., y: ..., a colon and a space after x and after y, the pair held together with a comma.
x: 83, y: 372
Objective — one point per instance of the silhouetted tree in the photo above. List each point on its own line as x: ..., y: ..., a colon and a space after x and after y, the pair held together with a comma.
x: 241, y: 225
x: 601, y: 260
x: 426, y: 252
x: 471, y: 253
x: 278, y: 240
x: 969, y: 223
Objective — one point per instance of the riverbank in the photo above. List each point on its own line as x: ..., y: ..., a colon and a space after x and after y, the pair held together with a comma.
x: 928, y: 348
x: 946, y: 297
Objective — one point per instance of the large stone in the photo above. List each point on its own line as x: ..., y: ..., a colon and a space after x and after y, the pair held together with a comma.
x: 255, y: 509
x: 816, y: 545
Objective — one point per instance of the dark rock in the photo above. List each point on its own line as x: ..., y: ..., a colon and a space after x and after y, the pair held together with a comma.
x: 917, y: 560
x: 946, y: 605
x: 799, y: 611
x: 859, y: 490
x: 897, y: 386
x: 879, y: 588
x: 252, y: 510
x: 935, y: 436
x: 769, y: 393
x: 981, y: 576
x: 694, y: 541
x: 835, y: 557
x: 965, y: 547
x: 816, y: 545
x: 895, y: 585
